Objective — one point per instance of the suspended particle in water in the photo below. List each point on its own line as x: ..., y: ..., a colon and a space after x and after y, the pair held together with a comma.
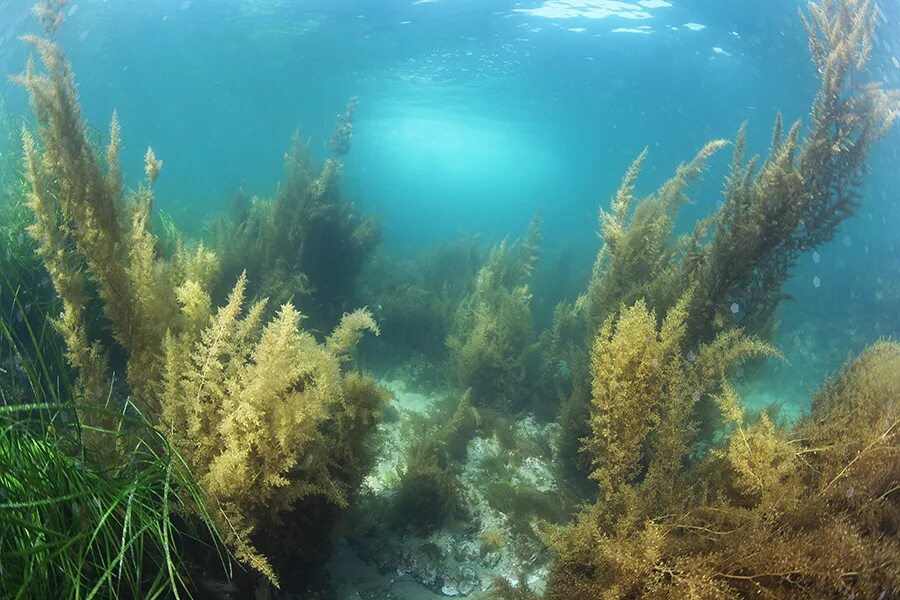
x: 185, y: 5
x: 735, y: 308
x: 816, y: 281
x: 695, y: 396
x: 847, y: 241
x: 816, y: 257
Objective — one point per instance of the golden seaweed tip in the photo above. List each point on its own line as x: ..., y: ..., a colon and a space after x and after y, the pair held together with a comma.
x: 50, y: 14
x: 152, y: 165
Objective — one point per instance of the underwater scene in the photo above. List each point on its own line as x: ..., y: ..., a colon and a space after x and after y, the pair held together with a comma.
x: 422, y: 299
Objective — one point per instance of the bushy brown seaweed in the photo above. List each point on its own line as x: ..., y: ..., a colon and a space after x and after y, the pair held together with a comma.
x: 811, y: 513
x: 417, y: 299
x: 761, y: 510
x: 260, y: 410
x: 736, y: 260
x: 773, y: 209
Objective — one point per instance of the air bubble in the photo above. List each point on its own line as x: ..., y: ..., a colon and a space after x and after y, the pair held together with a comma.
x: 816, y: 281
x: 816, y: 257
x: 735, y: 308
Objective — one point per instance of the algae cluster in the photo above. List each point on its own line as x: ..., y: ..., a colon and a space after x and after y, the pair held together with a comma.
x: 186, y: 390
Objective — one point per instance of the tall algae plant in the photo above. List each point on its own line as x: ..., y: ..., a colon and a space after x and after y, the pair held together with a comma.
x: 73, y: 524
x: 306, y: 245
x: 736, y: 260
x: 491, y: 335
x: 696, y: 499
x: 263, y: 413
x: 265, y: 427
x: 808, y: 513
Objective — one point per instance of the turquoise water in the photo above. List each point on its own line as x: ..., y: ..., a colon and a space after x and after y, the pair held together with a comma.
x: 471, y: 114
x: 474, y: 114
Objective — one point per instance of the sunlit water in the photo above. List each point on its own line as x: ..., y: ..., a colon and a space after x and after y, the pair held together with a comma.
x: 475, y: 113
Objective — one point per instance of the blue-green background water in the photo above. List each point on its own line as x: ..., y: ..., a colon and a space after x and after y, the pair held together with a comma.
x: 473, y: 114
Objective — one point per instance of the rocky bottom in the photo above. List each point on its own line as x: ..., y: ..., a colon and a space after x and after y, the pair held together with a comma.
x: 507, y: 488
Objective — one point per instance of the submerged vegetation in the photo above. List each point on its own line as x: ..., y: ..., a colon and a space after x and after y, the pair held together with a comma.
x: 74, y: 524
x: 306, y: 245
x: 734, y: 264
x: 237, y: 420
x: 491, y: 335
x: 810, y: 513
x: 773, y: 208
x: 755, y: 510
x: 72, y: 530
x: 248, y: 403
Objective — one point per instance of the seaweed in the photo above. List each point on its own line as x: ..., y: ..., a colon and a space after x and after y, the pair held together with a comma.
x: 71, y: 525
x: 246, y: 402
x: 736, y: 260
x: 306, y: 245
x: 747, y: 507
x: 645, y: 391
x: 429, y: 491
x: 811, y: 513
x: 415, y: 300
x: 773, y: 209
x: 492, y: 335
